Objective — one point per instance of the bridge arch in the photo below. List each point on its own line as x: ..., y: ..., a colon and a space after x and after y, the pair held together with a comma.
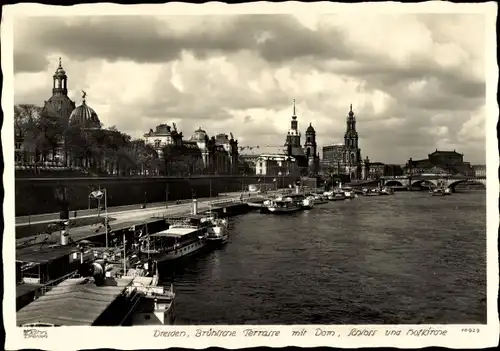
x: 393, y: 183
x: 452, y: 185
x: 419, y: 182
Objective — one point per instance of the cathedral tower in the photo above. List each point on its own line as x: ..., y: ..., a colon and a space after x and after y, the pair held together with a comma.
x: 352, y: 153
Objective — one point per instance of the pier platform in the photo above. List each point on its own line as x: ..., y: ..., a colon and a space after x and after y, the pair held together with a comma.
x: 87, y: 303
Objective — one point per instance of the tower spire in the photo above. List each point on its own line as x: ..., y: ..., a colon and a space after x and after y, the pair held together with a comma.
x: 84, y: 94
x: 350, y: 110
x: 60, y: 63
x: 294, y: 107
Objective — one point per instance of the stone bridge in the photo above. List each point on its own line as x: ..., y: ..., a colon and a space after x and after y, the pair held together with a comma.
x: 436, y: 180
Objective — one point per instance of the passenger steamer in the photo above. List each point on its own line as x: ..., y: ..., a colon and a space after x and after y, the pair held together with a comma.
x: 184, y: 237
x: 286, y: 204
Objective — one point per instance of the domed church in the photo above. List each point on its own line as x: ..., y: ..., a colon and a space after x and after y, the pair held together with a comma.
x: 60, y: 106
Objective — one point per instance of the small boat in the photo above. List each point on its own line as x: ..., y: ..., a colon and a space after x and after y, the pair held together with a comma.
x: 441, y: 191
x: 387, y: 191
x: 337, y: 196
x: 218, y: 233
x: 320, y: 199
x: 371, y: 192
x: 308, y: 202
x: 349, y: 193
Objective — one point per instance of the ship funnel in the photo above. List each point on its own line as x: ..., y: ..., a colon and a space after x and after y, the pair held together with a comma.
x: 64, y: 237
x: 195, y: 207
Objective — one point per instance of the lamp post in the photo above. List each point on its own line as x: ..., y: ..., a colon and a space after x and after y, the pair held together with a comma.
x: 99, y: 194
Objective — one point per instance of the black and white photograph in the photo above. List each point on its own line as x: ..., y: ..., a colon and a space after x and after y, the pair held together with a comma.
x: 266, y: 169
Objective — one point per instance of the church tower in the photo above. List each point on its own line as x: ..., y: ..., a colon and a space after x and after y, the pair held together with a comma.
x: 60, y: 84
x: 59, y: 105
x: 293, y: 137
x: 352, y: 153
x: 310, y: 149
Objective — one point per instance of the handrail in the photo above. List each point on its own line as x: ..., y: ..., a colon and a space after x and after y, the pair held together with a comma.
x: 46, y: 287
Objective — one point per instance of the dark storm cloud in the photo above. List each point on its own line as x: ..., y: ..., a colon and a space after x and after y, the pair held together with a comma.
x: 28, y: 62
x: 146, y: 39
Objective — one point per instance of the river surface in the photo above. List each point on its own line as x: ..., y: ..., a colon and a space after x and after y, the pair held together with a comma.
x: 403, y: 259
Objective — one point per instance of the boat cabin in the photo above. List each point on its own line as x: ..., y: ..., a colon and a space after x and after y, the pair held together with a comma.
x: 179, y: 234
x: 38, y: 267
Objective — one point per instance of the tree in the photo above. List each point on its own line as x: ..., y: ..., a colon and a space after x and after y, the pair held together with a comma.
x: 26, y: 117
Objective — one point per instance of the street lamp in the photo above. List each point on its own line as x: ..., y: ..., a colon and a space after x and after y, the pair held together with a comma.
x: 99, y: 194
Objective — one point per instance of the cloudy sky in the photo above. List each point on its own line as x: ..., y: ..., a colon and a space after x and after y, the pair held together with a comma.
x: 416, y: 82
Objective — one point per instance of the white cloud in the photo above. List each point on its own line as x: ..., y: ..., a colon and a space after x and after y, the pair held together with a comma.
x: 414, y: 79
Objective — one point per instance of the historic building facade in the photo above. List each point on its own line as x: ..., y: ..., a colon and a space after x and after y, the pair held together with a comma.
x: 199, y: 154
x: 440, y: 162
x: 345, y: 159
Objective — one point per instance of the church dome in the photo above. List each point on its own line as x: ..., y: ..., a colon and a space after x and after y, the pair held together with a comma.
x: 84, y: 116
x: 310, y: 129
x: 199, y: 135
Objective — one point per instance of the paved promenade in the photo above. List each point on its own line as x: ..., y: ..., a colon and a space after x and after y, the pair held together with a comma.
x: 51, y: 217
x: 128, y: 218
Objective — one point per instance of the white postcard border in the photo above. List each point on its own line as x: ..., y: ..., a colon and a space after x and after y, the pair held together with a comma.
x: 62, y: 338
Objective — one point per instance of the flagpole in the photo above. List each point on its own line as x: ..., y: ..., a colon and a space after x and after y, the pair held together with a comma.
x: 106, y: 214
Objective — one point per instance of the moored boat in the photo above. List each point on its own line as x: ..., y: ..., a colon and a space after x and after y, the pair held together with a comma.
x: 371, y: 192
x: 387, y: 191
x: 320, y: 199
x: 288, y: 203
x: 336, y: 196
x: 217, y: 234
x: 308, y: 202
x: 184, y: 237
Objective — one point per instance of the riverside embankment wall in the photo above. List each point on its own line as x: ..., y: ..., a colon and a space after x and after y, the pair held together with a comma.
x: 46, y: 195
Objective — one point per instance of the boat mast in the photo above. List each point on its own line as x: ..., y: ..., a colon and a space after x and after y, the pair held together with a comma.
x: 124, y: 254
x: 147, y: 238
x: 210, y: 198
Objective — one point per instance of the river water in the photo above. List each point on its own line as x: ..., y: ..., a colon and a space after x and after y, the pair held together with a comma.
x: 403, y: 259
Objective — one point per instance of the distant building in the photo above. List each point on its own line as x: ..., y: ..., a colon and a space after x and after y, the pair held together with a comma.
x: 440, y: 162
x: 479, y: 170
x: 333, y: 158
x: 199, y: 154
x: 376, y: 170
x: 276, y: 165
x: 393, y: 170
x: 162, y: 136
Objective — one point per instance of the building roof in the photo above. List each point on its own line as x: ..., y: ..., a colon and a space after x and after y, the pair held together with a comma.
x: 73, y: 302
x: 333, y: 146
x: 175, y: 232
x: 260, y: 150
x: 445, y: 153
x: 45, y: 254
